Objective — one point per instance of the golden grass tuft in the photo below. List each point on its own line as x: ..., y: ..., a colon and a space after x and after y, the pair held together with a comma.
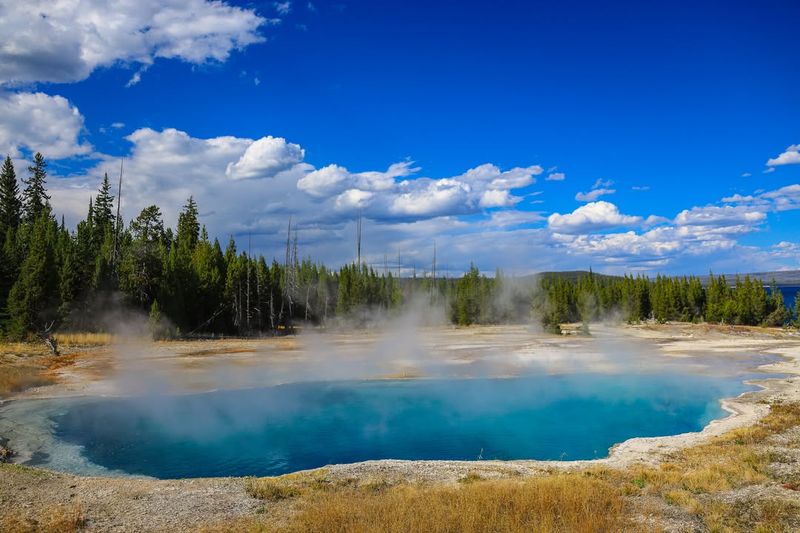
x: 18, y: 377
x: 558, y: 503
x: 472, y: 477
x: 23, y: 349
x: 66, y: 518
x: 83, y: 339
x: 271, y: 489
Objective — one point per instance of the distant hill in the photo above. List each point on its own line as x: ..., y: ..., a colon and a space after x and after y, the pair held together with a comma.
x: 781, y: 277
x: 571, y: 275
x: 784, y: 278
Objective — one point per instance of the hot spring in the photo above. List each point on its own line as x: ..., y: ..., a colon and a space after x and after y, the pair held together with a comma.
x: 272, y: 406
x: 280, y: 429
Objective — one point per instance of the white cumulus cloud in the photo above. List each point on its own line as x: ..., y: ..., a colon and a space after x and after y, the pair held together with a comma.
x: 266, y: 157
x: 790, y: 156
x: 590, y: 217
x: 66, y: 40
x: 40, y: 122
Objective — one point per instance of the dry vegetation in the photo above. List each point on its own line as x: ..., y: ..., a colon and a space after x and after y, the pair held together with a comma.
x: 30, y: 364
x: 549, y: 504
x: 707, y: 480
x: 83, y: 340
x: 557, y: 503
x: 54, y: 519
x: 15, y: 376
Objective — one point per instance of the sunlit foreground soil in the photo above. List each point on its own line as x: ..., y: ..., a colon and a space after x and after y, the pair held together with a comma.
x: 739, y: 474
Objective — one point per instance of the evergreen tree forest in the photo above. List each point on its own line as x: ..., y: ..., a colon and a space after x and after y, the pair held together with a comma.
x: 56, y: 278
x: 746, y: 301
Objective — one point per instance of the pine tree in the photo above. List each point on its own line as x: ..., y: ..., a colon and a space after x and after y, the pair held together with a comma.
x: 33, y: 300
x: 142, y: 267
x: 157, y: 329
x: 10, y: 204
x: 148, y: 227
x: 104, y: 207
x: 34, y: 197
x: 69, y: 284
x: 188, y: 226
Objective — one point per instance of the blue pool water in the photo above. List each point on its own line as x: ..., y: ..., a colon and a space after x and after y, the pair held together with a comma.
x: 286, y: 428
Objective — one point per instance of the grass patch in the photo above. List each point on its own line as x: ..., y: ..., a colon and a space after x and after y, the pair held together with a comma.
x: 23, y: 349
x: 696, y: 478
x: 559, y: 503
x: 83, y: 339
x: 18, y: 377
x: 472, y: 477
x: 271, y: 489
x: 54, y: 519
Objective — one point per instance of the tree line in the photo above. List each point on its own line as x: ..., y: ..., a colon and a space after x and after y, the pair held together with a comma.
x: 53, y: 277
x: 746, y: 301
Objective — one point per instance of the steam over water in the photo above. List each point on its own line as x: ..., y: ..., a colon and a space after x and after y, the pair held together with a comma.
x: 267, y: 407
x: 286, y: 428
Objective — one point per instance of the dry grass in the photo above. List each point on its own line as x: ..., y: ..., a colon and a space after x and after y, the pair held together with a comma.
x: 56, y: 519
x: 23, y: 349
x: 30, y: 364
x: 271, y: 489
x: 20, y: 376
x: 696, y: 478
x: 83, y: 339
x: 559, y: 503
x: 65, y: 341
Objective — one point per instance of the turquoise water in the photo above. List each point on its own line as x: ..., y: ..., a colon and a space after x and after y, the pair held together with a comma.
x: 286, y: 428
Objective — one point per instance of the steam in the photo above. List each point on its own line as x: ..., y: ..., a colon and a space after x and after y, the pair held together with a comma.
x: 412, y: 343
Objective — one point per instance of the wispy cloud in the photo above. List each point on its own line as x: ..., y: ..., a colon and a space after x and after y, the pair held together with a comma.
x: 600, y: 188
x: 593, y: 195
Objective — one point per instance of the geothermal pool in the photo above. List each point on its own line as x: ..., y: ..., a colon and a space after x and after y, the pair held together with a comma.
x: 280, y: 429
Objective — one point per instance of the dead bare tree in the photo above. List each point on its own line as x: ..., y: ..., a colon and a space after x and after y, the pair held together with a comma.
x: 433, y: 275
x: 118, y: 222
x: 248, y: 283
x: 358, y: 241
x: 290, y: 273
x: 49, y: 340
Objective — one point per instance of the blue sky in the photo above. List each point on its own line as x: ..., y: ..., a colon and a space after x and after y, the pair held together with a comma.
x: 656, y: 116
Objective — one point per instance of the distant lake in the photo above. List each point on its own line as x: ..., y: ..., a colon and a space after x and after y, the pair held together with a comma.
x: 789, y: 293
